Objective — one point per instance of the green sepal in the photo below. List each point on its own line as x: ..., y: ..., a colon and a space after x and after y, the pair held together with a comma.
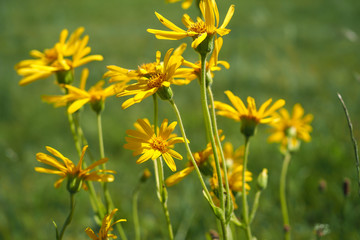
x: 65, y: 77
x: 165, y: 93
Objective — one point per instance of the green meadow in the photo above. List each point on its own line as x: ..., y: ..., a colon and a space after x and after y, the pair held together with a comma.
x: 301, y: 51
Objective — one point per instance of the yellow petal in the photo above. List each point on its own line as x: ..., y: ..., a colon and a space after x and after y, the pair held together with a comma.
x: 169, y: 161
x: 77, y: 105
x: 168, y: 24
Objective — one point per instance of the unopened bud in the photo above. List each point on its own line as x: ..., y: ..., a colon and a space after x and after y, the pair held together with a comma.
x: 346, y: 187
x: 145, y: 176
x: 262, y: 179
x: 322, y: 185
x: 214, y: 235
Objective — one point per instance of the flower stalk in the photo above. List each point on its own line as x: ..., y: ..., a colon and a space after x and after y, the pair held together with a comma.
x: 67, y: 222
x: 187, y: 146
x: 229, y: 204
x: 159, y: 175
x: 245, y: 207
x: 204, y: 51
x: 107, y: 195
x: 284, y: 209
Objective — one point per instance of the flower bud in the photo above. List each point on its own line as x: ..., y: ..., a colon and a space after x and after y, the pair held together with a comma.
x: 322, y: 185
x: 262, y: 179
x: 65, y: 77
x: 145, y: 176
x: 346, y: 187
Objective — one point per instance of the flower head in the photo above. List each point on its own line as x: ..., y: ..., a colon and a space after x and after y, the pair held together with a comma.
x: 63, y: 57
x: 76, y: 174
x: 106, y: 227
x: 144, y: 141
x: 78, y: 97
x: 199, y: 30
x: 250, y: 117
x: 151, y: 78
x: 290, y: 129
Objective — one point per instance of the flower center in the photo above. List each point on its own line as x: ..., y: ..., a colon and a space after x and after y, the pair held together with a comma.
x: 159, y: 144
x: 51, y: 54
x: 198, y: 27
x: 147, y: 69
x: 156, y: 80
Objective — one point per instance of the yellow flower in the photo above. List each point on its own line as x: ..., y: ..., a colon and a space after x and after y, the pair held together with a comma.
x: 250, y: 117
x: 200, y: 157
x: 75, y: 174
x: 106, y: 227
x: 64, y: 56
x: 288, y: 130
x: 144, y: 141
x: 144, y: 71
x: 79, y: 96
x: 212, y: 65
x: 198, y: 30
x: 185, y: 5
x: 151, y: 78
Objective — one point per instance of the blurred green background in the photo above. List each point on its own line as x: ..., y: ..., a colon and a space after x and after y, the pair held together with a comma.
x: 303, y: 51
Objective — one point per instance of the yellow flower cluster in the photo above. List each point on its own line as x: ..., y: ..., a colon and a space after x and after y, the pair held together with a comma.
x: 225, y: 168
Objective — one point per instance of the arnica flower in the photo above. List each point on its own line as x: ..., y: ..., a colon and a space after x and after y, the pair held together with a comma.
x: 199, y: 30
x: 151, y: 78
x: 144, y: 141
x: 194, y: 69
x: 106, y: 227
x: 61, y: 59
x: 200, y: 157
x: 76, y: 174
x: 289, y: 130
x: 250, y: 117
x: 185, y: 5
x: 78, y: 97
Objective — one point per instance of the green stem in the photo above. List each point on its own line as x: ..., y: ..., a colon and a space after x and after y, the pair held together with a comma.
x: 74, y: 132
x: 101, y: 139
x: 245, y: 207
x: 187, y: 146
x: 210, y: 134
x: 283, y: 204
x: 69, y: 217
x: 353, y: 139
x: 229, y: 205
x: 107, y: 195
x: 255, y: 206
x: 135, y: 212
x: 159, y: 174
